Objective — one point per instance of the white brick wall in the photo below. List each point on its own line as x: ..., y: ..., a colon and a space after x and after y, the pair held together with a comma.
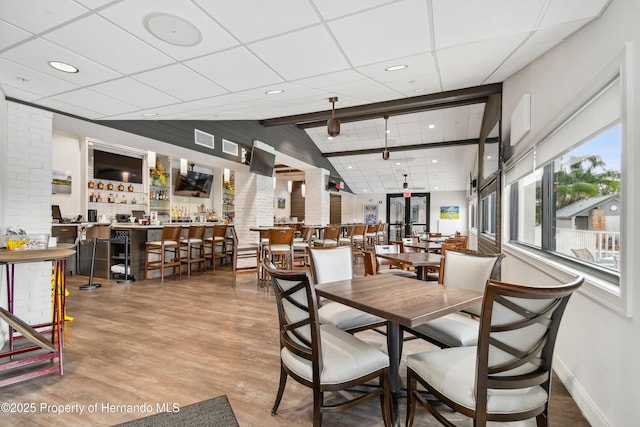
x: 254, y: 203
x: 316, y: 200
x: 26, y: 193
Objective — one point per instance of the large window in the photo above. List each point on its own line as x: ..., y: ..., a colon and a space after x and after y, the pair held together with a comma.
x: 569, y: 204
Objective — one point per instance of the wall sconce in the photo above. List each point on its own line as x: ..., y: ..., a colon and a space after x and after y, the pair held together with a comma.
x: 290, y: 186
x: 303, y: 189
x: 151, y: 158
x: 226, y: 175
x: 184, y: 166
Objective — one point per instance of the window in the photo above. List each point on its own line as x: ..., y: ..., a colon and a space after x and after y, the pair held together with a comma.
x: 569, y: 205
x: 488, y: 206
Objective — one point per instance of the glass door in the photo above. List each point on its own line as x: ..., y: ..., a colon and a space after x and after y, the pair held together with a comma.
x: 407, y: 216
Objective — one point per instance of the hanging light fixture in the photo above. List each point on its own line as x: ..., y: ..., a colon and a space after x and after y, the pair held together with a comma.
x: 405, y: 185
x: 333, y: 124
x: 385, y: 153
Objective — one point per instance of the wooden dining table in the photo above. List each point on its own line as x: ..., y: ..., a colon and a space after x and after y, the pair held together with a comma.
x: 424, y: 246
x: 419, y: 260
x: 401, y: 301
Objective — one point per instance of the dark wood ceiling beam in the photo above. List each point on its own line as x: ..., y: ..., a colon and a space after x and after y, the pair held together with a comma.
x: 413, y: 104
x: 446, y: 144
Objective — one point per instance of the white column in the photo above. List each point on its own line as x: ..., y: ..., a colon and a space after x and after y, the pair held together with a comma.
x: 316, y: 201
x: 254, y: 195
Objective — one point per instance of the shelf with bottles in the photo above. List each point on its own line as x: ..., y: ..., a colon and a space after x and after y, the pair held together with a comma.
x: 228, y: 197
x: 117, y: 198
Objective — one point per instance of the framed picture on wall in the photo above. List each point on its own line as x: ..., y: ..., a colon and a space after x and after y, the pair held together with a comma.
x: 370, y: 214
x: 281, y: 203
x: 449, y: 212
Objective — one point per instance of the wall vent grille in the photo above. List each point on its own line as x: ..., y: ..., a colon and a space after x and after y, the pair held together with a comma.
x: 204, y: 139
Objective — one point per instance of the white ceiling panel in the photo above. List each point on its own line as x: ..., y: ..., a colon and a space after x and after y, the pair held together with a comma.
x: 31, y: 55
x: 256, y: 20
x: 393, y: 31
x: 324, y: 57
x: 235, y: 70
x: 311, y: 49
x: 181, y: 82
x: 130, y: 15
x: 103, y: 42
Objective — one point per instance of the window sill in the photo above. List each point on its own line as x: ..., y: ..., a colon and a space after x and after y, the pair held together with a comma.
x: 598, y: 289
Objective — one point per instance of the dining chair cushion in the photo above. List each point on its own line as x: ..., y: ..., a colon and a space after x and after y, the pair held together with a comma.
x: 300, y: 245
x: 452, y: 372
x: 166, y: 243
x: 279, y: 248
x: 344, y: 356
x: 344, y: 317
x: 454, y: 330
x: 327, y: 242
x: 191, y: 240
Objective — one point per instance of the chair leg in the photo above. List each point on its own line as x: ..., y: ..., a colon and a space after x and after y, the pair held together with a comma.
x: 411, y: 400
x: 283, y: 382
x: 318, y: 397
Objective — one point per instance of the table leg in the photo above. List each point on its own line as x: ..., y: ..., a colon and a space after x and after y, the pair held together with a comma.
x: 393, y: 348
x: 420, y: 270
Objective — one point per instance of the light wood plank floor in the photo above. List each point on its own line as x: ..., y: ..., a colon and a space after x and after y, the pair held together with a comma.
x: 185, y: 341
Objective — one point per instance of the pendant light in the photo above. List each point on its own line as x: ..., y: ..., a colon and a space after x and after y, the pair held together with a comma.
x: 385, y: 153
x: 405, y: 185
x: 333, y: 124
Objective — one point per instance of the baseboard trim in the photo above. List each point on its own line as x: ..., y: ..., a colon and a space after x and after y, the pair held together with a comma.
x: 589, y: 410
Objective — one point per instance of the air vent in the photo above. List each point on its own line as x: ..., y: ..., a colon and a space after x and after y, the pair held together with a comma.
x: 204, y: 139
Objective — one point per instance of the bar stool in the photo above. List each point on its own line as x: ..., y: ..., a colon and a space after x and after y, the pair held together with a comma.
x: 240, y: 254
x: 330, y: 236
x: 219, y: 239
x: 193, y: 242
x: 168, y: 251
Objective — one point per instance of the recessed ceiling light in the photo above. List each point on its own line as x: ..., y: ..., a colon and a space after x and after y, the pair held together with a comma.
x: 172, y: 29
x: 349, y: 167
x: 432, y: 126
x: 488, y: 157
x: 330, y: 138
x: 419, y: 90
x: 63, y: 66
x: 434, y: 161
x: 397, y: 163
x: 396, y: 68
x: 365, y: 190
x: 149, y: 114
x: 435, y: 188
x: 274, y: 91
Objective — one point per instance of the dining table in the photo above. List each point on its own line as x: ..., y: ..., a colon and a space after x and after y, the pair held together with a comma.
x: 401, y: 301
x: 419, y: 260
x: 424, y: 246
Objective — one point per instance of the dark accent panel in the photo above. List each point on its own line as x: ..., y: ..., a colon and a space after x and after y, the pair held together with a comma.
x: 335, y: 209
x: 297, y: 201
x: 446, y: 144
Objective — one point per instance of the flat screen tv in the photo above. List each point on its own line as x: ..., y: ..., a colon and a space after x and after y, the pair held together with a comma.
x: 116, y: 167
x: 193, y: 184
x: 262, y: 162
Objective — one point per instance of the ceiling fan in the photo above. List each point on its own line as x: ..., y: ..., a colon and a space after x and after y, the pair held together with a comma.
x: 333, y: 124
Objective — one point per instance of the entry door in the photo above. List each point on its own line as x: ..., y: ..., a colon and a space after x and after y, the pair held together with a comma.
x: 407, y: 216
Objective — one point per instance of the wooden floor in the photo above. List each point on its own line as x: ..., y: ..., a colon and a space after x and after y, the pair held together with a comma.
x: 149, y: 344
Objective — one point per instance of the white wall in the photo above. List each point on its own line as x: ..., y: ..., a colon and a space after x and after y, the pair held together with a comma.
x: 282, y: 192
x: 66, y: 156
x: 449, y: 226
x: 598, y: 348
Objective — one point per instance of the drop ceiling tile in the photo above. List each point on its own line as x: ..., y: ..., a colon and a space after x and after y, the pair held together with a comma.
x: 36, y: 54
x: 13, y: 74
x: 36, y: 16
x: 563, y: 11
x: 95, y: 101
x: 130, y: 15
x: 10, y: 34
x: 465, y: 21
x: 290, y: 55
x: 93, y: 4
x: 181, y: 82
x: 108, y: 45
x: 70, y: 107
x: 470, y: 64
x: 397, y: 30
x: 135, y: 93
x: 235, y: 70
x: 250, y: 21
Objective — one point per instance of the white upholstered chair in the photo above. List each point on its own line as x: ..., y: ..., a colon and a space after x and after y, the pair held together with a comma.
x: 461, y: 270
x: 507, y: 376
x: 330, y: 264
x: 321, y: 356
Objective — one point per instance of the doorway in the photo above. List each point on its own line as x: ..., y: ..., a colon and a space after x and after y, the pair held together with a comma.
x: 407, y: 216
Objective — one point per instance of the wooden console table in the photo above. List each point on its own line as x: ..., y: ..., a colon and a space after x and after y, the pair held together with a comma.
x: 38, y: 348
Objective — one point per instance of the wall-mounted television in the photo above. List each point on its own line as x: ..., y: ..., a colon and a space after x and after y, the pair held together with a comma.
x: 262, y: 162
x: 193, y: 184
x: 116, y: 167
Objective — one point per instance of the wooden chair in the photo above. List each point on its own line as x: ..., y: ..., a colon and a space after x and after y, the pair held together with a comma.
x: 321, y: 356
x: 193, y: 243
x: 408, y: 241
x: 240, y: 254
x: 385, y: 266
x: 333, y: 263
x: 280, y: 247
x: 507, y: 376
x: 216, y: 245
x: 301, y: 247
x: 371, y: 236
x: 354, y: 238
x: 462, y: 270
x: 166, y: 251
x: 330, y: 236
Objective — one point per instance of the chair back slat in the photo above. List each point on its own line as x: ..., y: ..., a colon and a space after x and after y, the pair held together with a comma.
x: 518, y: 330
